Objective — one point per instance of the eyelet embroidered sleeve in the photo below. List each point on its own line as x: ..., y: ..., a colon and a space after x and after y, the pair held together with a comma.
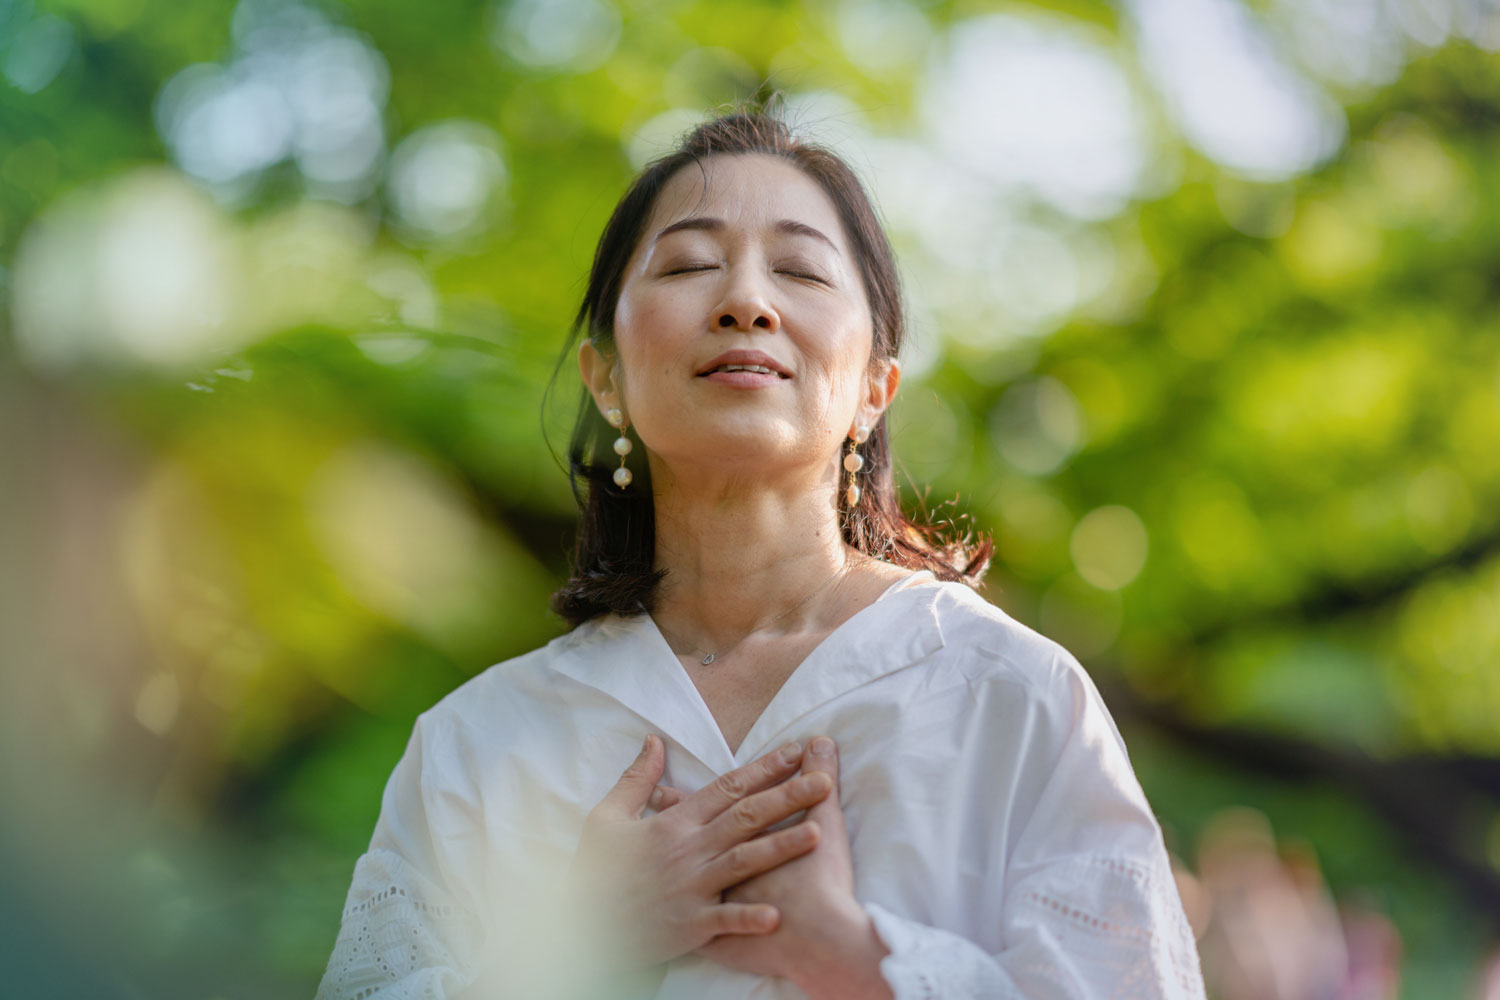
x: 409, y: 930
x: 1090, y: 907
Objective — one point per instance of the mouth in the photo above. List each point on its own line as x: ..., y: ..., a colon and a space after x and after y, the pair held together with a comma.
x: 741, y: 364
x: 756, y: 369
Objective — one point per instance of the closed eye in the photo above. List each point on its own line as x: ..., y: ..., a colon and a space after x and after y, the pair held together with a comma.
x: 690, y: 268
x: 804, y: 275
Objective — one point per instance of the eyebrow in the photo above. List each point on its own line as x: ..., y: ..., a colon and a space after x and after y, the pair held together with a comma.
x: 706, y: 223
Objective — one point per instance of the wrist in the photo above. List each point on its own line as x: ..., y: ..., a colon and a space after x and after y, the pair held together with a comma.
x: 847, y: 966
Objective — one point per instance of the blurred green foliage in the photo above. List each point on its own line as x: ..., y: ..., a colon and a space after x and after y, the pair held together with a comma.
x: 280, y: 460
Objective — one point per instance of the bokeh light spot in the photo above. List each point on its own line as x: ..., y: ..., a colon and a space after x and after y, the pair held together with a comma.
x: 572, y: 35
x: 1439, y: 508
x: 1218, y: 530
x: 1085, y: 619
x: 296, y: 87
x: 1040, y: 106
x: 444, y: 180
x: 142, y: 270
x: 882, y: 36
x: 1037, y: 426
x: 37, y: 53
x: 1232, y: 95
x: 1109, y: 546
x: 157, y: 703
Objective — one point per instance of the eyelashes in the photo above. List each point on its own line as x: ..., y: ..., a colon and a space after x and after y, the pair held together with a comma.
x: 791, y: 272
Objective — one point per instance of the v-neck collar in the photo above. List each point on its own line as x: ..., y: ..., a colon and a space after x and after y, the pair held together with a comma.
x: 627, y: 659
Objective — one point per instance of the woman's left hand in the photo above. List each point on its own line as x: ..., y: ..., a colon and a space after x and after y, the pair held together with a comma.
x: 825, y: 942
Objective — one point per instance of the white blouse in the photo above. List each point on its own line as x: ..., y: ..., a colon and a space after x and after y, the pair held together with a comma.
x: 1000, y: 840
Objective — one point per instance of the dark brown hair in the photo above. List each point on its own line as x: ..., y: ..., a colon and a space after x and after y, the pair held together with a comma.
x: 614, y: 563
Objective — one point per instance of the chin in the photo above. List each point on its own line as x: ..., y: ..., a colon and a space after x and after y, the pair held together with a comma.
x: 742, y: 443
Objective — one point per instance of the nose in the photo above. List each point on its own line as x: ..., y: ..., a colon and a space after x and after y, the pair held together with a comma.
x: 745, y: 305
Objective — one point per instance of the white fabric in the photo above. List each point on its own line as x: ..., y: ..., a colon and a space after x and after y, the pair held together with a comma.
x: 1001, y: 842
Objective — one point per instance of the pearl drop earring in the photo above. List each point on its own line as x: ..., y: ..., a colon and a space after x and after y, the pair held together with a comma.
x: 854, y: 461
x: 623, y: 446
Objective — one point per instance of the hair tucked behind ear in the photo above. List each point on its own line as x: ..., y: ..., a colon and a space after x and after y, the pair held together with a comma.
x: 614, y: 564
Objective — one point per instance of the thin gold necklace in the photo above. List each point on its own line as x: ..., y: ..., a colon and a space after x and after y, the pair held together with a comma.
x: 710, y: 657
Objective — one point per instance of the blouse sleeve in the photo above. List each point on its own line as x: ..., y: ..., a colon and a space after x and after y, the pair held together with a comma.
x: 410, y: 929
x: 1090, y: 908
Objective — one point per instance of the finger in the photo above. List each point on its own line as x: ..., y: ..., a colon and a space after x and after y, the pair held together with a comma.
x: 737, y: 918
x: 664, y: 798
x: 823, y: 758
x: 822, y: 755
x: 756, y: 857
x: 727, y: 789
x: 631, y: 793
x: 749, y: 816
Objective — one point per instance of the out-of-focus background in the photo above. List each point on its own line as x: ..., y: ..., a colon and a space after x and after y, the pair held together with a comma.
x: 1204, y: 298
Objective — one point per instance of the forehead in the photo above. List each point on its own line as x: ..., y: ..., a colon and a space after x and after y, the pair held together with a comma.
x: 747, y: 191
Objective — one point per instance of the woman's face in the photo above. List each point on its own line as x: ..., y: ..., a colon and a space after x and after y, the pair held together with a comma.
x: 744, y: 263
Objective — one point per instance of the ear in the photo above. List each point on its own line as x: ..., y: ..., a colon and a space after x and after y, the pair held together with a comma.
x: 880, y: 390
x: 598, y: 371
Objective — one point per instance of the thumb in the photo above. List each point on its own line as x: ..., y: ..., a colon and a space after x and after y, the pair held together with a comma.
x: 633, y: 790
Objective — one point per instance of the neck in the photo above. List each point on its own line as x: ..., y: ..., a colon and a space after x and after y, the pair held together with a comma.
x: 741, y: 558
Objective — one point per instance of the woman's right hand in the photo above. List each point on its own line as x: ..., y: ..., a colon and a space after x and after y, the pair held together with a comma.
x: 654, y: 883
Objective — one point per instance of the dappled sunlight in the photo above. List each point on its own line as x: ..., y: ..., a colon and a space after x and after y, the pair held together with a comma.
x: 1342, y: 399
x: 409, y: 546
x: 34, y: 49
x: 1033, y: 530
x: 1082, y: 616
x: 297, y: 87
x: 1201, y: 307
x: 446, y: 179
x: 884, y: 36
x: 1331, y: 247
x: 1449, y: 634
x: 1037, y: 426
x: 570, y: 35
x: 1439, y: 508
x: 1221, y: 535
x: 1109, y: 546
x: 147, y: 271
x: 1234, y: 97
x: 1061, y: 121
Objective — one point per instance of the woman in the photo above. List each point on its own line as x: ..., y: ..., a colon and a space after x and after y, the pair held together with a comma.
x: 852, y: 777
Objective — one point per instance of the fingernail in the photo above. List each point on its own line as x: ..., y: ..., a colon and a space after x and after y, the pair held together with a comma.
x: 822, y: 746
x: 646, y: 746
x: 790, y: 753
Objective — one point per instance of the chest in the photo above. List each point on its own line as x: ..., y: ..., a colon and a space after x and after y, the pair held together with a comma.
x: 926, y: 787
x: 738, y: 687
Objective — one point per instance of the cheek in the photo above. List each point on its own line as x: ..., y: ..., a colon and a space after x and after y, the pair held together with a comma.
x: 843, y: 359
x: 653, y: 320
x: 653, y: 344
x: 637, y: 336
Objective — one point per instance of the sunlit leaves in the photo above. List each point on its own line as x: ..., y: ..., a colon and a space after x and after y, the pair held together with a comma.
x: 1214, y: 360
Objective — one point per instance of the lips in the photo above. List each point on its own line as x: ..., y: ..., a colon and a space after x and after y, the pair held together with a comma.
x: 753, y: 362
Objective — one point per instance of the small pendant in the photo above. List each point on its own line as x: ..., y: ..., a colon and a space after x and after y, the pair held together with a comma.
x: 708, y: 659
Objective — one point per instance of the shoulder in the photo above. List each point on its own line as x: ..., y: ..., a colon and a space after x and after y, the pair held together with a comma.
x: 504, y: 690
x: 1011, y: 669
x: 1035, y: 685
x: 987, y: 644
